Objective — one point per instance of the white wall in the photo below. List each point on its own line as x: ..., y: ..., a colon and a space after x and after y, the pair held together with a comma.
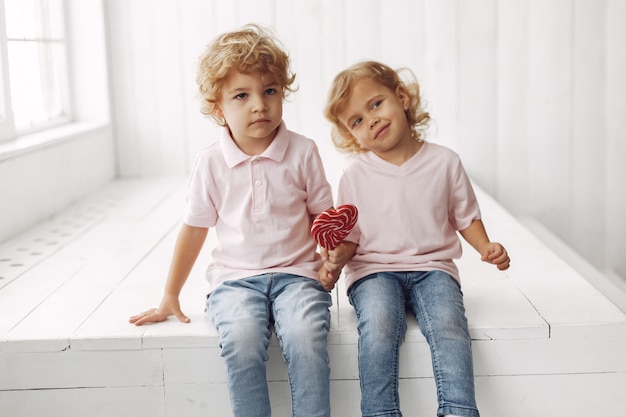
x: 43, y: 173
x: 530, y: 93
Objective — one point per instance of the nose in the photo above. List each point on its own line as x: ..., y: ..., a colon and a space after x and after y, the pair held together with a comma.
x: 259, y: 104
x: 373, y: 122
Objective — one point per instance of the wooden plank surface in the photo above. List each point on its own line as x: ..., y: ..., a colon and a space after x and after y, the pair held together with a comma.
x: 81, y: 274
x: 81, y: 294
x: 65, y: 336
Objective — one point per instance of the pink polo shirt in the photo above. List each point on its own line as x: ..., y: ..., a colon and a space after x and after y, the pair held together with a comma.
x: 409, y: 215
x: 260, y: 206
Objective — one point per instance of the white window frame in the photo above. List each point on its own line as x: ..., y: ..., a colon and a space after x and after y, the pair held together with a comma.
x: 8, y: 129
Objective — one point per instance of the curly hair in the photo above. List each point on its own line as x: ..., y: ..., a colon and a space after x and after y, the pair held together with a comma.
x: 247, y: 50
x: 342, y: 87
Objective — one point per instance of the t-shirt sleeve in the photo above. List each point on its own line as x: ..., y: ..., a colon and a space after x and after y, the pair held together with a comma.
x: 319, y: 192
x: 463, y: 208
x: 199, y: 208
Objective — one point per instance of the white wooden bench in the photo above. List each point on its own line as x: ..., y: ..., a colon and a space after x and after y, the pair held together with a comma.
x: 546, y: 343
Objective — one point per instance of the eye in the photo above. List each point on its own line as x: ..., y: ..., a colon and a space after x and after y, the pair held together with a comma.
x: 356, y: 122
x: 270, y: 92
x: 241, y: 96
x: 377, y: 104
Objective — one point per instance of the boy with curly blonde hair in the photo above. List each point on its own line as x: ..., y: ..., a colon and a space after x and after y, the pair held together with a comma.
x: 259, y: 186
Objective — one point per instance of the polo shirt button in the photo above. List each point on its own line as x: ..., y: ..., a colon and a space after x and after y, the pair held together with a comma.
x: 258, y: 183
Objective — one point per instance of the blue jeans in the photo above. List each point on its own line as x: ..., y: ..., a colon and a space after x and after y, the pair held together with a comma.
x: 243, y: 312
x: 381, y: 301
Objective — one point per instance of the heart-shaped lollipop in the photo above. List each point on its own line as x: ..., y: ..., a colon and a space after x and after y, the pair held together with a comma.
x: 330, y: 227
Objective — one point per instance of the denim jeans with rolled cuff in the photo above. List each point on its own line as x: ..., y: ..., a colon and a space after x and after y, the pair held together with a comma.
x: 381, y: 301
x: 244, y: 312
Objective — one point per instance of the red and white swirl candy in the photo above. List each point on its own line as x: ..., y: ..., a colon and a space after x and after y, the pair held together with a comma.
x: 331, y: 227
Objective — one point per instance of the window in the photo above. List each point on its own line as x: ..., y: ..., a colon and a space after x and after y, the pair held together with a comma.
x: 33, y: 66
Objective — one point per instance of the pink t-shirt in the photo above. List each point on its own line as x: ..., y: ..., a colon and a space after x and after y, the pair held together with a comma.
x: 409, y: 215
x: 260, y: 206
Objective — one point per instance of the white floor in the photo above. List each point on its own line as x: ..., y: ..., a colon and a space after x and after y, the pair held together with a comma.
x: 546, y: 342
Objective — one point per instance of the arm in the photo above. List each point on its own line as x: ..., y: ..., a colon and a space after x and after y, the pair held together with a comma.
x: 491, y: 252
x: 334, y: 261
x: 188, y: 245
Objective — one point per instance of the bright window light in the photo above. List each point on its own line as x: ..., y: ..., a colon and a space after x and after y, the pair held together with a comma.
x: 37, y: 63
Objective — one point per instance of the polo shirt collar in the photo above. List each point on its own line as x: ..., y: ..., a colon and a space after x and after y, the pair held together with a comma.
x: 234, y: 156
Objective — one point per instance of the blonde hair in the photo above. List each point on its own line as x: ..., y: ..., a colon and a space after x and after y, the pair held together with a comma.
x: 248, y: 50
x: 342, y: 87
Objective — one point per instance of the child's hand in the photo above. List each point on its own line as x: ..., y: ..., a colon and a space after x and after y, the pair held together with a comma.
x: 169, y: 307
x: 494, y: 253
x: 334, y: 261
x: 327, y: 279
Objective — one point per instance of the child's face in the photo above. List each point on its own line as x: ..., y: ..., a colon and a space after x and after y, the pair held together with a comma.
x: 252, y: 105
x: 375, y: 116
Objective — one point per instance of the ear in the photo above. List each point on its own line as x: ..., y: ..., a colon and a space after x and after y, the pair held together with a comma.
x: 403, y: 96
x: 217, y: 111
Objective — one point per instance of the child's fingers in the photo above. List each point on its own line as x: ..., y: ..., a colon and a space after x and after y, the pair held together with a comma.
x: 498, y: 256
x: 141, y: 316
x: 502, y: 262
x: 327, y: 279
x: 332, y: 267
x: 180, y: 316
x: 147, y: 317
x: 150, y: 316
x: 494, y: 253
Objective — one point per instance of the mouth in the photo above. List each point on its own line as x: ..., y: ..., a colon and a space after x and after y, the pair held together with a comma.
x: 380, y: 132
x: 258, y: 122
